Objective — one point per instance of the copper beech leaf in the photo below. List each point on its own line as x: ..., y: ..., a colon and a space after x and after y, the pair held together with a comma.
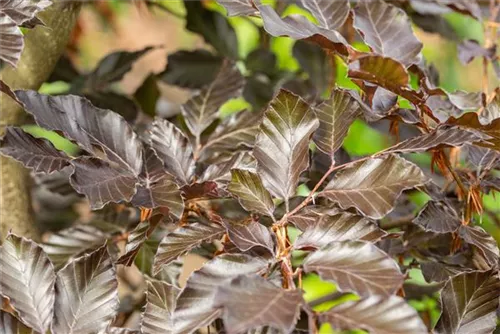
x: 339, y: 227
x: 387, y: 30
x: 173, y: 149
x: 249, y: 234
x: 252, y: 195
x: 308, y: 216
x: 11, y: 40
x: 86, y: 294
x: 35, y: 153
x: 485, y: 254
x: 28, y: 280
x: 183, y: 239
x: 238, y: 7
x: 356, y: 266
x: 157, y: 317
x: 247, y: 302
x: 438, y: 217
x: 329, y: 14
x: 203, y: 107
x: 383, y: 71
x: 282, y: 147
x: 373, y: 186
x: 11, y: 325
x: 335, y: 117
x: 469, y: 303
x: 195, y: 307
x: 377, y: 315
x: 136, y: 239
x: 156, y: 188
x: 23, y: 11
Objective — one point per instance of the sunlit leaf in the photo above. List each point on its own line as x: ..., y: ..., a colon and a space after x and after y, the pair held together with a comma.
x: 376, y: 314
x: 36, y: 153
x: 373, y: 186
x: 11, y: 41
x: 86, y: 294
x: 238, y: 7
x: 282, y: 145
x: 387, y: 30
x: 195, y: 303
x: 356, y: 266
x: 248, y: 187
x: 330, y: 14
x: 469, y: 303
x: 28, y: 280
x: 157, y: 317
x: 246, y: 302
x: 308, y: 216
x: 183, y: 239
x: 340, y: 227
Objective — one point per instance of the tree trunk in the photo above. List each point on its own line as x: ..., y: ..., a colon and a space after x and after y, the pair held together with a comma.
x: 43, y: 47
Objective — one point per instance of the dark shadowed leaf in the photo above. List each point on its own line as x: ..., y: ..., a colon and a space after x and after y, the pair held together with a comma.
x: 387, y: 30
x: 157, y: 317
x: 36, y: 153
x: 4, y: 88
x: 28, y: 280
x: 121, y: 104
x: 314, y: 60
x: 373, y: 186
x: 443, y: 136
x: 469, y: 303
x: 11, y: 40
x: 238, y: 7
x: 247, y: 302
x: 86, y: 294
x: 330, y: 14
x: 80, y: 121
x: 485, y: 253
x: 470, y: 49
x: 282, y: 147
x: 173, y: 149
x: 101, y: 182
x: 298, y: 27
x: 11, y: 325
x: 195, y: 303
x: 214, y: 28
x: 237, y: 130
x: 440, y: 272
x: 340, y: 227
x: 73, y: 242
x: 335, y: 117
x: 156, y: 188
x: 482, y: 158
x: 249, y: 234
x: 113, y: 67
x: 436, y: 24
x: 203, y: 107
x: 308, y: 216
x: 64, y: 70
x: 191, y: 69
x: 147, y: 95
x: 385, y: 72
x: 356, y: 266
x: 136, y: 239
x: 376, y: 314
x: 438, y: 217
x: 248, y: 187
x: 183, y: 239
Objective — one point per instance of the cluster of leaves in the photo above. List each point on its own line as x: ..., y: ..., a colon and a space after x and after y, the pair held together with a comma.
x: 227, y: 188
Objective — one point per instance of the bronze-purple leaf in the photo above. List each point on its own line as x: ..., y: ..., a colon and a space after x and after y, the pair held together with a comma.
x: 252, y: 195
x: 37, y: 154
x: 249, y: 234
x: 469, y: 303
x: 308, y: 216
x: 330, y: 15
x: 156, y: 187
x: 23, y: 11
x: 136, y: 239
x: 339, y: 227
x: 387, y: 30
x: 157, y: 317
x: 335, y: 117
x: 195, y: 307
x: 485, y: 254
x: 437, y: 216
x: 377, y: 315
x: 239, y: 7
x: 356, y: 266
x: 282, y: 147
x: 183, y: 239
x: 11, y: 41
x: 11, y: 325
x: 173, y: 149
x: 86, y: 294
x: 373, y: 186
x: 247, y: 302
x: 203, y: 107
x: 28, y: 280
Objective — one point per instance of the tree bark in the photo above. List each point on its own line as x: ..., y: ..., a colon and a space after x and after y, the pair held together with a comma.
x: 43, y: 47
